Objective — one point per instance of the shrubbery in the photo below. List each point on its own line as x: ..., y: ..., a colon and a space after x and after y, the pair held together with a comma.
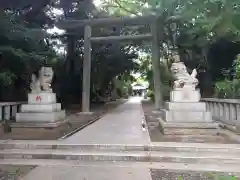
x: 230, y: 89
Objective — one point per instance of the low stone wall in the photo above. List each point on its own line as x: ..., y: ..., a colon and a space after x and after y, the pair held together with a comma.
x: 224, y: 110
x: 8, y: 110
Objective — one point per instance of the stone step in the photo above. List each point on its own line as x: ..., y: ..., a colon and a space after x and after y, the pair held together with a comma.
x: 150, y: 128
x: 153, y: 118
x: 132, y: 156
x: 155, y: 123
x: 161, y: 146
x: 151, y: 165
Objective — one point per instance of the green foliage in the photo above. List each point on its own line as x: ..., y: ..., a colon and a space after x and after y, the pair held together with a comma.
x: 237, y: 66
x: 166, y: 76
x: 123, y: 7
x: 23, y: 49
x: 221, y: 177
x: 190, y: 25
x: 123, y: 86
x: 166, y: 80
x: 180, y: 178
x: 230, y: 89
x: 25, y: 46
x: 7, y: 78
x: 150, y: 94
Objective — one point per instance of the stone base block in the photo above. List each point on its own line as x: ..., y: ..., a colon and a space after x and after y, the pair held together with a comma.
x: 179, y: 106
x: 85, y: 113
x: 186, y: 116
x: 41, y: 98
x: 185, y: 96
x: 173, y: 128
x: 38, y: 124
x: 40, y: 116
x: 41, y: 107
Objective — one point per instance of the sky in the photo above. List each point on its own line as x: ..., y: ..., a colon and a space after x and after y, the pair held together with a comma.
x: 97, y: 2
x: 56, y: 30
x: 60, y: 12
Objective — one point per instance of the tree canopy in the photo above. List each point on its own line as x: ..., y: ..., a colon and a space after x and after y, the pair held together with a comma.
x: 193, y: 27
x: 26, y: 45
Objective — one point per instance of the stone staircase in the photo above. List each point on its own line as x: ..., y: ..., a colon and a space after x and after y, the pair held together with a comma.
x: 175, y: 156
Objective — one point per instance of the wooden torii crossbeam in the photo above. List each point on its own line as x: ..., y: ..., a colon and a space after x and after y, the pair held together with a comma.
x: 124, y: 21
x: 101, y: 22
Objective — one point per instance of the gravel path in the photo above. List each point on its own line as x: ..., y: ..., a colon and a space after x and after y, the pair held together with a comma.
x: 9, y: 172
x: 178, y: 175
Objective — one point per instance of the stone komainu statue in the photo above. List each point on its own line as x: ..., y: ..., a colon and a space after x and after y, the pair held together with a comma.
x: 182, y: 78
x: 42, y: 82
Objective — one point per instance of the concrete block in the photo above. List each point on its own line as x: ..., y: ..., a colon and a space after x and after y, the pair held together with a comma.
x: 186, y: 116
x: 40, y: 116
x: 85, y: 113
x: 190, y: 128
x: 41, y: 107
x: 190, y: 125
x: 41, y: 98
x: 193, y: 106
x: 39, y: 124
x: 185, y: 96
x: 7, y: 113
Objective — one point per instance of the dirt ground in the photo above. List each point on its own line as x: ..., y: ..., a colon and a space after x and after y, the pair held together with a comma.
x: 152, y: 122
x: 76, y: 122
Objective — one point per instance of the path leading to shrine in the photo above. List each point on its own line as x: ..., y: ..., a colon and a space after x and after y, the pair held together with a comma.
x: 121, y: 126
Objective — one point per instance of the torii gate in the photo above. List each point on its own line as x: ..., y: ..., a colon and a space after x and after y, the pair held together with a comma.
x: 126, y: 21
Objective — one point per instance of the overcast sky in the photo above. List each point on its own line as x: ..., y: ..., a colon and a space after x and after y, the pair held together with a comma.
x: 56, y: 30
x: 97, y: 2
x: 60, y: 12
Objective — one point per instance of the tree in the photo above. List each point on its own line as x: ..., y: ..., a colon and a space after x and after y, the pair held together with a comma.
x: 202, y: 22
x: 23, y: 49
x: 109, y: 60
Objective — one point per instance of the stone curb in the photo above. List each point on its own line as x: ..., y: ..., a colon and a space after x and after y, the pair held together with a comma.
x: 154, y: 165
x: 170, y: 157
x: 168, y: 146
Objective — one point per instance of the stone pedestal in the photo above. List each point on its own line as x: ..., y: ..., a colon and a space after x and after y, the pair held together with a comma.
x: 185, y: 112
x: 182, y: 112
x: 185, y: 96
x: 41, y: 111
x: 42, y: 98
